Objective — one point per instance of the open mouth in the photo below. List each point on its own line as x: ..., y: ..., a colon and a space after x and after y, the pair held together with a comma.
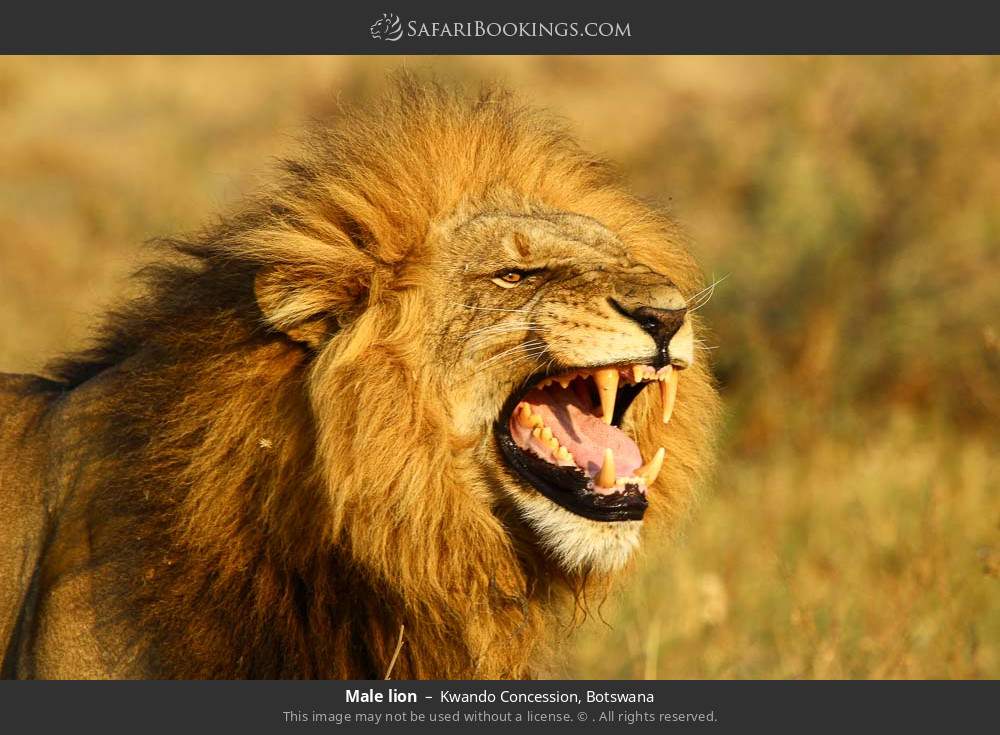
x: 563, y: 435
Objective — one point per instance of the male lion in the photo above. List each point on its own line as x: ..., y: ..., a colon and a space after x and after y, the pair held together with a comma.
x: 394, y: 412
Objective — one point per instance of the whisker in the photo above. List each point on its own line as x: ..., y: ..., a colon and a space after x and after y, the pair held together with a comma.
x: 528, y: 346
x: 514, y: 360
x: 484, y: 340
x: 705, y: 295
x: 712, y: 285
x: 492, y: 308
x: 709, y: 287
x: 500, y: 329
x: 522, y: 358
x: 502, y: 325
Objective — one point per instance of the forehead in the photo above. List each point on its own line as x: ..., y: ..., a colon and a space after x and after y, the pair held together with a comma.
x: 503, y: 238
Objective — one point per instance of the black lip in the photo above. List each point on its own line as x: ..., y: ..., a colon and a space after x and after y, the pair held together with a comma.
x: 568, y: 486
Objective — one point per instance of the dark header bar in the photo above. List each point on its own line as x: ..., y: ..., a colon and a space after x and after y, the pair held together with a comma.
x: 510, y: 27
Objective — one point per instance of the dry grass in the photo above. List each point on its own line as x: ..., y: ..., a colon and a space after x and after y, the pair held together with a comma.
x: 853, y: 529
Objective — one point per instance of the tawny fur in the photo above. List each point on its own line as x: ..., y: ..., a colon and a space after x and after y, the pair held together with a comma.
x: 271, y: 472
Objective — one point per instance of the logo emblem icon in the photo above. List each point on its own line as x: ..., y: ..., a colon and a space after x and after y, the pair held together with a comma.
x: 387, y: 28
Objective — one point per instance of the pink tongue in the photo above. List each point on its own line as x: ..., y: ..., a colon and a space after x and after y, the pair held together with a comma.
x: 574, y: 423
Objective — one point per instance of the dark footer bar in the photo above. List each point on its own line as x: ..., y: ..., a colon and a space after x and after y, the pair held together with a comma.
x: 584, y: 706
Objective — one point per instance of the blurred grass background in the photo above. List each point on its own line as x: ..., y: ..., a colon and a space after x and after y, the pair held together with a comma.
x: 853, y: 207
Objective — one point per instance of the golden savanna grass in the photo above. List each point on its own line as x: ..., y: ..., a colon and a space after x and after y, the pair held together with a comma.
x: 853, y: 526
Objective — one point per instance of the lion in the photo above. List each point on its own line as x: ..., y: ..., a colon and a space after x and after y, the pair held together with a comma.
x: 394, y: 415
x: 387, y: 28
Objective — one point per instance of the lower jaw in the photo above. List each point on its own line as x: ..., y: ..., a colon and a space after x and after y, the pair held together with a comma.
x: 557, y: 472
x: 568, y: 488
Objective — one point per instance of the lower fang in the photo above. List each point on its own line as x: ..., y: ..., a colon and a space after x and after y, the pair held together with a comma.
x: 606, y: 477
x: 651, y: 470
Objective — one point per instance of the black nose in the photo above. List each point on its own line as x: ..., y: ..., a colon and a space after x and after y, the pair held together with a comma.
x: 660, y: 324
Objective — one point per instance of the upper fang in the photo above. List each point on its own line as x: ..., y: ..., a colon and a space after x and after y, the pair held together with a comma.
x: 606, y: 380
x: 668, y: 391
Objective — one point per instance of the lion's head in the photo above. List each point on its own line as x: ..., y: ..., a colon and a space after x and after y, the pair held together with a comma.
x: 386, y: 28
x: 534, y: 319
x: 446, y: 357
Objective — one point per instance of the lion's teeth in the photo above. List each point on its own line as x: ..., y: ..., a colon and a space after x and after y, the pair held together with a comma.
x: 651, y: 470
x: 546, y: 433
x: 537, y: 433
x: 565, y: 380
x: 607, y: 387
x: 668, y: 391
x: 563, y: 454
x: 637, y: 371
x: 554, y: 445
x: 606, y: 477
x: 524, y: 416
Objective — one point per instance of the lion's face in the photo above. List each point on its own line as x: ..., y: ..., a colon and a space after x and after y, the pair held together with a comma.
x: 387, y: 28
x: 549, y: 330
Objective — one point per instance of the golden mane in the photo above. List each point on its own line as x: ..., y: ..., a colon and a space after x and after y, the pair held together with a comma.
x: 212, y: 445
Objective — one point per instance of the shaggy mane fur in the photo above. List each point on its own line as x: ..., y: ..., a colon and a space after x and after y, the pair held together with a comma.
x: 211, y: 519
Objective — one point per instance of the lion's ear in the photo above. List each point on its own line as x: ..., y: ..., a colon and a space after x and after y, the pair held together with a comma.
x: 307, y: 307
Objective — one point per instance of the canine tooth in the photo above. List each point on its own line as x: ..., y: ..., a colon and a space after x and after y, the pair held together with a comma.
x: 546, y: 433
x: 607, y: 387
x: 668, y: 393
x: 524, y: 416
x: 649, y: 471
x: 637, y: 372
x: 606, y: 477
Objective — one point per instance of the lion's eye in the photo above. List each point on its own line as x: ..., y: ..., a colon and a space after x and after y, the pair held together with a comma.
x: 508, y: 279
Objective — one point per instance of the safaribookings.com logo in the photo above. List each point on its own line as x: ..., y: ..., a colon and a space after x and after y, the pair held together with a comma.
x: 387, y: 28
x: 390, y: 28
